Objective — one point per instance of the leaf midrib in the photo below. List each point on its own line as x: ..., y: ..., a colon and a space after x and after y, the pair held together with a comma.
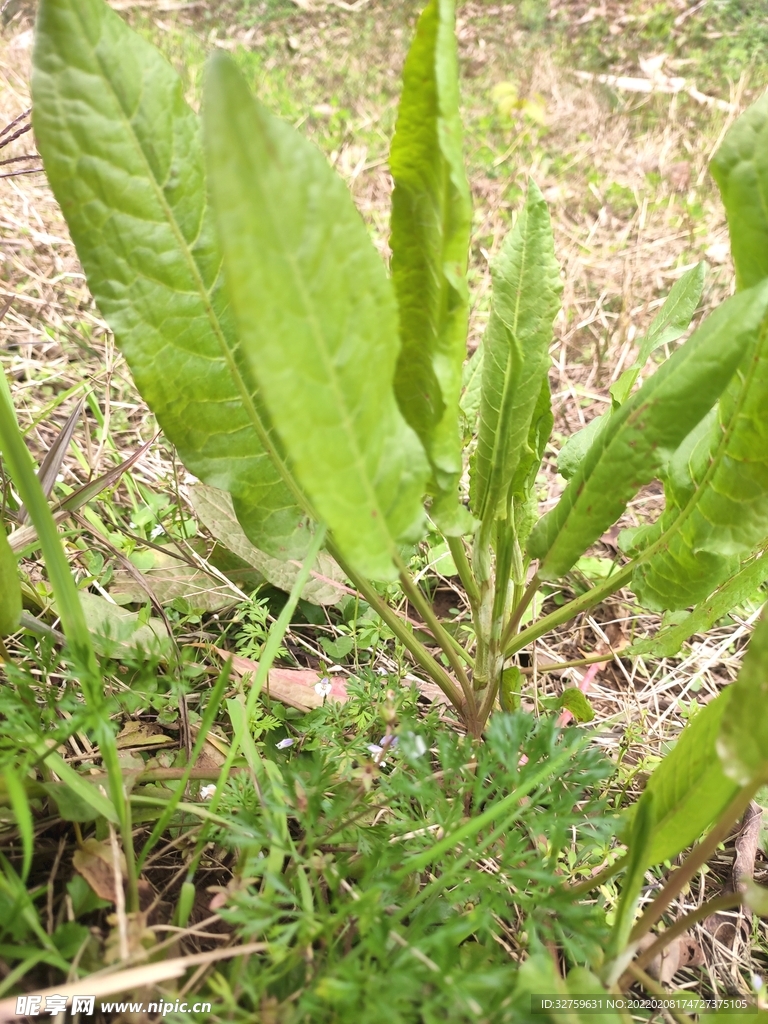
x: 213, y: 320
x: 318, y: 334
x: 500, y: 439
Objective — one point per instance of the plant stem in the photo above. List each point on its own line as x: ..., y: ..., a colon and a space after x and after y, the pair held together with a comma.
x: 696, y: 859
x: 489, y: 700
x: 459, y: 554
x: 593, y: 659
x: 656, y: 990
x: 443, y: 638
x: 525, y: 600
x: 727, y: 901
x: 505, y: 547
x: 569, y: 610
x: 420, y: 654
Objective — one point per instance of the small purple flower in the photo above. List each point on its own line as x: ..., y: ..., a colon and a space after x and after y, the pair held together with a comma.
x: 284, y: 744
x: 323, y: 688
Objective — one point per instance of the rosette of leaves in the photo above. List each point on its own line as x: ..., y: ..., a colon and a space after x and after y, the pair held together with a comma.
x: 293, y: 370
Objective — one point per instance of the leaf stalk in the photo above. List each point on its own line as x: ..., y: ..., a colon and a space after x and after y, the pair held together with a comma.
x: 695, y: 860
x: 420, y: 654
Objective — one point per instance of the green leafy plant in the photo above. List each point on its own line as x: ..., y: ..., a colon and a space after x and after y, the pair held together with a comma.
x: 329, y: 398
x: 315, y: 388
x: 387, y: 946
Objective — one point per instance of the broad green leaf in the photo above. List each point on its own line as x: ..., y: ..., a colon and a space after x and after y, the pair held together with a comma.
x: 214, y: 510
x: 716, y: 489
x: 526, y: 291
x: 689, y: 788
x: 172, y: 580
x: 10, y: 587
x: 524, y: 499
x: 70, y: 805
x: 735, y: 591
x: 337, y: 648
x: 737, y: 1016
x: 509, y: 689
x: 538, y: 977
x: 672, y: 321
x: 539, y: 433
x: 582, y: 982
x: 522, y: 506
x: 525, y: 502
x: 440, y: 559
x: 740, y: 168
x: 317, y: 321
x: 431, y: 219
x: 743, y: 740
x: 119, y: 633
x: 755, y: 897
x: 577, y: 702
x: 646, y: 430
x: 123, y: 155
x: 85, y: 790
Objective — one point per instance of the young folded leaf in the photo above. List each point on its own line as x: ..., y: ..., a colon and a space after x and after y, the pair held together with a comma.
x: 526, y: 298
x: 740, y: 168
x: 643, y: 433
x: 123, y: 154
x: 672, y: 320
x: 670, y: 323
x: 743, y: 740
x: 431, y: 219
x: 525, y: 504
x: 717, y: 495
x: 317, y: 321
x: 689, y: 788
